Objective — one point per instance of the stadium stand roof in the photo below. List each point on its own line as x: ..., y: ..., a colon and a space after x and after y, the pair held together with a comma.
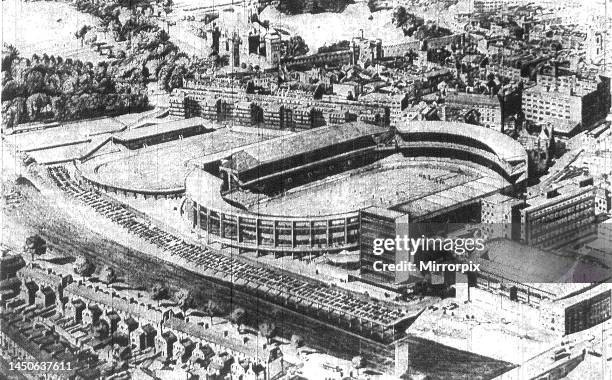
x: 300, y: 143
x: 503, y: 146
x: 544, y: 270
x: 161, y: 129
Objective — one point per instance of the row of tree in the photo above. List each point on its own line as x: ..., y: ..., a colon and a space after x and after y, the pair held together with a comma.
x: 413, y: 25
x: 149, y: 54
x: 185, y: 299
x: 293, y: 7
x: 48, y: 88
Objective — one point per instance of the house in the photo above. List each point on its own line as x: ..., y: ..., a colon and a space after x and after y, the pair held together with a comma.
x: 238, y: 369
x: 114, y: 353
x: 256, y: 372
x: 28, y: 292
x: 112, y: 320
x: 143, y: 337
x: 272, y: 360
x: 164, y: 343
x: 45, y: 297
x: 219, y: 366
x: 126, y: 326
x: 201, y: 355
x: 182, y: 350
x: 75, y: 309
x: 91, y: 315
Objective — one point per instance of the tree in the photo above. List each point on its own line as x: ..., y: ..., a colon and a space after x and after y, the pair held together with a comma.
x: 250, y: 88
x: 108, y: 275
x: 267, y: 330
x: 221, y: 60
x: 184, y: 299
x: 81, y: 32
x: 400, y: 16
x: 238, y: 316
x: 296, y: 46
x: 213, y: 309
x: 12, y: 89
x: 9, y: 54
x: 35, y: 246
x: 8, y: 117
x: 319, y: 92
x: 34, y: 82
x: 358, y: 362
x: 159, y: 291
x: 100, y: 330
x: 84, y: 267
x: 297, y: 341
x: 373, y: 5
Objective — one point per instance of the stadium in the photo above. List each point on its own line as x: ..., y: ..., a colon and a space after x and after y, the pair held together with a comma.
x: 303, y: 193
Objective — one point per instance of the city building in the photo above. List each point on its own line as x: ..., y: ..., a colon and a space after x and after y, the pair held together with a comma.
x: 559, y: 214
x: 290, y: 110
x: 568, y: 103
x: 494, y: 6
x: 500, y: 216
x: 488, y: 107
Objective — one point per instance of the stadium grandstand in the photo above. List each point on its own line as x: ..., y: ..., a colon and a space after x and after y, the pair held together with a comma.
x: 302, y: 193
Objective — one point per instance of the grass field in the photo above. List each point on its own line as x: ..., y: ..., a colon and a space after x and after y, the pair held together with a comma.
x: 384, y: 187
x: 164, y: 166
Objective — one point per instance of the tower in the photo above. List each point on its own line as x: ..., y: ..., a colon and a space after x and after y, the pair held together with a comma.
x: 234, y: 50
x: 273, y: 45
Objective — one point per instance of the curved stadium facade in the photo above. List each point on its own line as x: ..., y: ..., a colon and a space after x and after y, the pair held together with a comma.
x: 261, y: 198
x: 304, y: 193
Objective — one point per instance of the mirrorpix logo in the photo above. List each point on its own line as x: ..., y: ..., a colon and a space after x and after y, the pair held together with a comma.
x: 405, y: 244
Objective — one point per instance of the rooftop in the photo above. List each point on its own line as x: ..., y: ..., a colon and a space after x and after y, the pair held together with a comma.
x: 248, y: 347
x: 163, y: 166
x: 506, y: 148
x: 547, y: 271
x: 114, y: 301
x: 162, y: 128
x: 300, y: 143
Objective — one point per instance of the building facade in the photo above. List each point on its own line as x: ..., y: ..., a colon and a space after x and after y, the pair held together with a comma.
x: 559, y: 216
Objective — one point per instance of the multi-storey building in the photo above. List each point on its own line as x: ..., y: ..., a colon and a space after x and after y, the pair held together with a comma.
x: 488, y: 107
x: 559, y: 215
x: 493, y: 6
x: 380, y: 223
x: 498, y: 216
x: 567, y: 102
x: 281, y: 110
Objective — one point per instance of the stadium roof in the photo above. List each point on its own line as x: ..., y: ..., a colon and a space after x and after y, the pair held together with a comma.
x: 504, y: 146
x: 544, y: 270
x: 452, y: 197
x: 299, y: 143
x: 162, y: 128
